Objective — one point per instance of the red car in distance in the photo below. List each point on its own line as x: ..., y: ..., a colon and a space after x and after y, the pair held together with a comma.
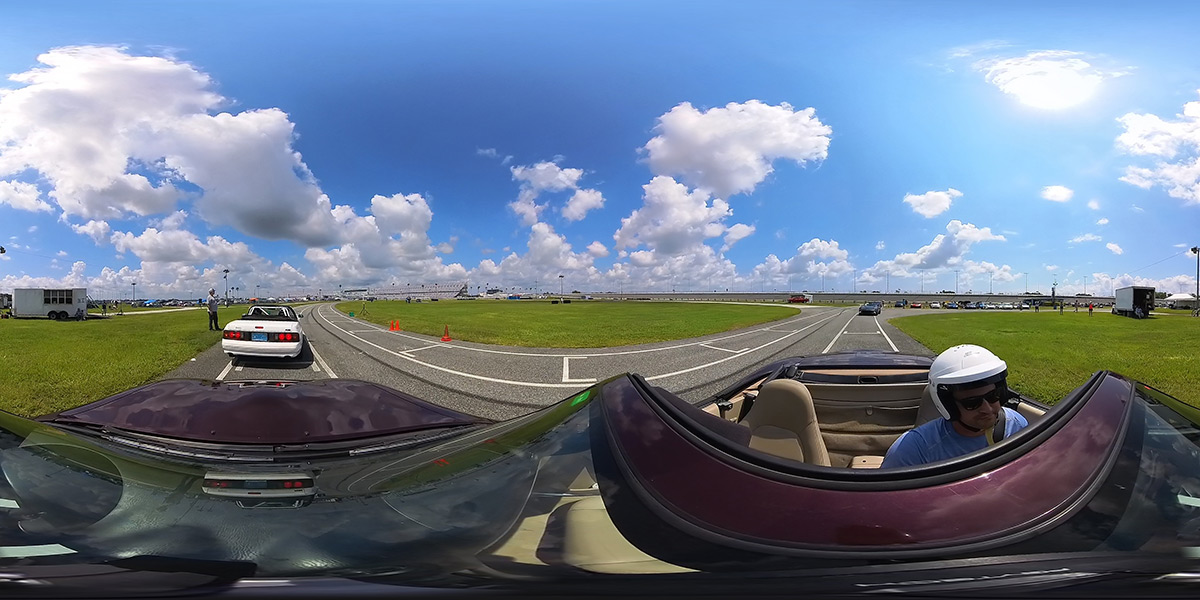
x: 798, y: 298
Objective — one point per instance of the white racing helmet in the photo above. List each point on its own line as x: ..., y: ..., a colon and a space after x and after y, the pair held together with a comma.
x: 965, y: 365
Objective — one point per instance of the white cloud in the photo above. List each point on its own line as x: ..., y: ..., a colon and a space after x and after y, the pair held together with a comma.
x: 22, y: 196
x: 672, y: 220
x: 730, y: 150
x: 547, y: 176
x: 946, y: 251
x: 393, y: 241
x: 932, y: 204
x: 817, y: 257
x: 543, y: 177
x: 1048, y: 79
x: 113, y: 134
x: 1103, y: 221
x: 1051, y: 268
x: 492, y: 153
x: 172, y: 221
x: 61, y: 253
x: 548, y: 255
x: 1094, y: 205
x: 736, y: 233
x: 1114, y: 248
x: 580, y: 203
x: 32, y: 228
x: 879, y: 245
x: 1057, y: 193
x: 1176, y: 145
x: 1136, y: 208
x: 1087, y: 237
x: 175, y: 246
x: 597, y: 249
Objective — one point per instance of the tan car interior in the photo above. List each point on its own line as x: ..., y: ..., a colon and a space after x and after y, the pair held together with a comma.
x: 835, y: 424
x: 832, y: 424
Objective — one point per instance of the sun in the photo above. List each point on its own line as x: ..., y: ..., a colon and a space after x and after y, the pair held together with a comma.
x: 1046, y: 80
x: 1054, y: 90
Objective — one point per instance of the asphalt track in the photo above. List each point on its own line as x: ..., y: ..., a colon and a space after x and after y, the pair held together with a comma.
x: 501, y: 382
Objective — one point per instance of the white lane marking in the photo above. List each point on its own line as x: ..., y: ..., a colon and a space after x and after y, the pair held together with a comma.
x: 768, y: 329
x: 225, y: 371
x: 861, y: 333
x: 547, y: 385
x: 239, y: 368
x: 324, y: 365
x: 1188, y: 500
x: 6, y: 503
x: 430, y: 346
x: 835, y: 338
x: 724, y: 349
x: 885, y: 335
x: 567, y: 371
x: 705, y: 366
x: 40, y: 550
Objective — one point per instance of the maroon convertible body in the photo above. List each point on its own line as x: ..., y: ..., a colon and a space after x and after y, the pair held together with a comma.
x: 623, y: 484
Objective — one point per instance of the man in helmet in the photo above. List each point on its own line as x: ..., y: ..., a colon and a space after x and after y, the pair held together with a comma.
x: 968, y: 387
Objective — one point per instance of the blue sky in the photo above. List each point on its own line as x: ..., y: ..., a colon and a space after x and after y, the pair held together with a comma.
x: 694, y: 145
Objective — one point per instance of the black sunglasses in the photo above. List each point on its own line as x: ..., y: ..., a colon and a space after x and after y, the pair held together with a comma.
x: 999, y: 394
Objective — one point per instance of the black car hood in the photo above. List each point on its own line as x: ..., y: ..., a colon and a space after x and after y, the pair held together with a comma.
x: 263, y: 413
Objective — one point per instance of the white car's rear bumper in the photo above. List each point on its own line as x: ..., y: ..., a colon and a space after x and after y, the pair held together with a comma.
x: 265, y: 349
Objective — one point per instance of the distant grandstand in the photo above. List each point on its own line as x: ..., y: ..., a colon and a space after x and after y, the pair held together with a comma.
x: 423, y: 291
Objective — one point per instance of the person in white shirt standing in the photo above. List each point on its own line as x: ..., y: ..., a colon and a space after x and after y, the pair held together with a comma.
x: 212, y: 310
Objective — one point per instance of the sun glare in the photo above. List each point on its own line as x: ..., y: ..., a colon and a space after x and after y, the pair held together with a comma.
x: 1054, y: 91
x: 1046, y: 80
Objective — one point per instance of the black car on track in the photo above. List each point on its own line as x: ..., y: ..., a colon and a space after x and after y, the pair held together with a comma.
x: 871, y: 308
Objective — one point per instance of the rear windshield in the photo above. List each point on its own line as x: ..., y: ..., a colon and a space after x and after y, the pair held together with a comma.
x: 270, y: 313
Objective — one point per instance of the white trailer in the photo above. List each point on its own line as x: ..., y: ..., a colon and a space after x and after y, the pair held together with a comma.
x: 1133, y: 301
x: 52, y: 303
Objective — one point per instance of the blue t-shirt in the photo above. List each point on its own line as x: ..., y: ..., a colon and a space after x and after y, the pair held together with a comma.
x: 937, y: 440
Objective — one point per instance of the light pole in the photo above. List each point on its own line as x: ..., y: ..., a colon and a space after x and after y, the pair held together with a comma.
x: 1196, y: 251
x: 560, y: 286
x: 226, y: 276
x: 956, y: 281
x: 134, y: 298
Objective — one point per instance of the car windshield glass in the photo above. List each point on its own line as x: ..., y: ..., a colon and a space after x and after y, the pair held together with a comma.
x: 1161, y: 510
x: 271, y: 313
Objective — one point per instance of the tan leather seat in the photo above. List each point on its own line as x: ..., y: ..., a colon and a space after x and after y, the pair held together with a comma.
x: 783, y: 422
x: 927, y: 411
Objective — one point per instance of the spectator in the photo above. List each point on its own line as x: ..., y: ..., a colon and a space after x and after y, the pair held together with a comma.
x: 213, y: 303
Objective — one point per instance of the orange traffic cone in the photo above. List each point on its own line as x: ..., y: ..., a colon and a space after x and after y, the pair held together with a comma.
x: 446, y: 335
x: 396, y: 324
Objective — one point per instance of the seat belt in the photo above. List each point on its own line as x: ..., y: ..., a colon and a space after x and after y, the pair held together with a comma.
x: 997, y: 433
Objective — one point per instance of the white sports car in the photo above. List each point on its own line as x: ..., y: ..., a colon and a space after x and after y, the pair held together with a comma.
x: 264, y: 331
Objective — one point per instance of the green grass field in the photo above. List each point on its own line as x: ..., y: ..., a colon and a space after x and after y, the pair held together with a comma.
x: 1049, y: 354
x: 580, y: 324
x: 50, y: 366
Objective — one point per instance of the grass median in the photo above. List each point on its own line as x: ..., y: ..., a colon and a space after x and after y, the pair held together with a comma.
x: 47, y: 366
x: 1049, y: 354
x: 580, y: 324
